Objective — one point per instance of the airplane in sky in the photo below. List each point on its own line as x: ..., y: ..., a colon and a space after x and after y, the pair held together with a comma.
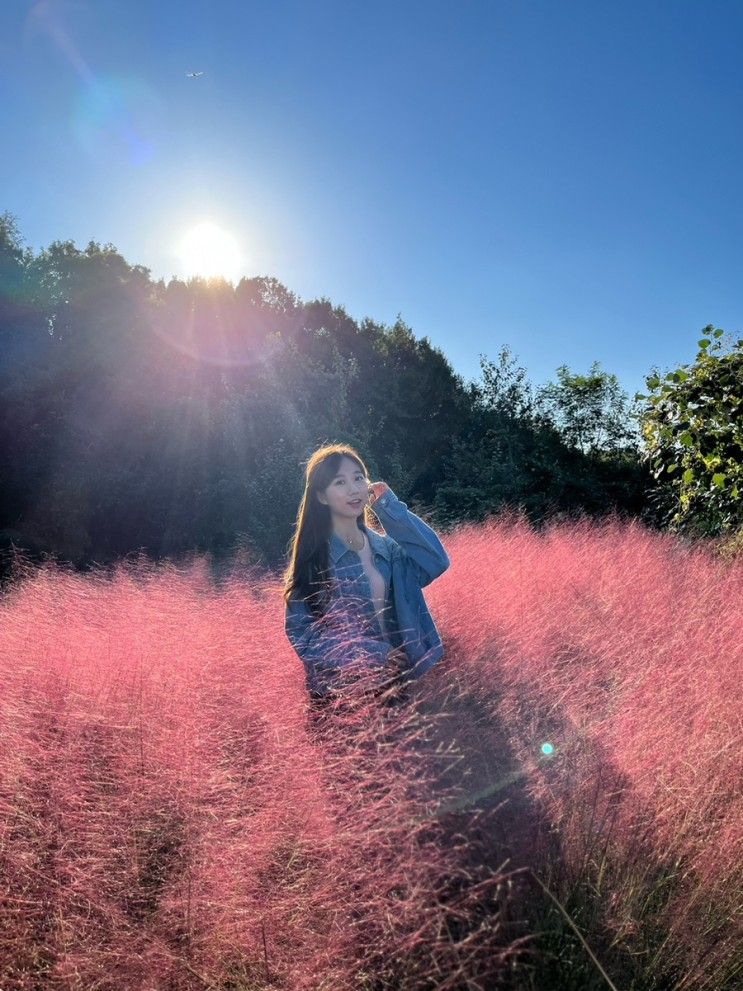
x: 193, y: 75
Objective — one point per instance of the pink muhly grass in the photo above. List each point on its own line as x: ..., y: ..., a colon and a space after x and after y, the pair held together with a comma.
x: 170, y: 819
x: 622, y: 648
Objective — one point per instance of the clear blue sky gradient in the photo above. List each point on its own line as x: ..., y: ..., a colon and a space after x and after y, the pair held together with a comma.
x: 561, y: 177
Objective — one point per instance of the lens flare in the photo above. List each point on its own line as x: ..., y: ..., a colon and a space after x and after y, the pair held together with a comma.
x: 117, y: 117
x: 113, y: 118
x: 547, y: 749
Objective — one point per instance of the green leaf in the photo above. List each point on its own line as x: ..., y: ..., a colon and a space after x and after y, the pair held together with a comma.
x: 718, y: 479
x: 704, y: 343
x: 688, y: 477
x: 686, y: 439
x: 653, y: 382
x: 719, y: 332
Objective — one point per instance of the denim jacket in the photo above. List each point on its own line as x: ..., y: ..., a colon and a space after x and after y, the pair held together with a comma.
x: 409, y: 556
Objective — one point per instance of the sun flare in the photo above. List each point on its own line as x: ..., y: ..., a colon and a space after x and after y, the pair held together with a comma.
x: 210, y: 251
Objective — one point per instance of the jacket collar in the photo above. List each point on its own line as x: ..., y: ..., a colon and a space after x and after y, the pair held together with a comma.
x: 377, y: 543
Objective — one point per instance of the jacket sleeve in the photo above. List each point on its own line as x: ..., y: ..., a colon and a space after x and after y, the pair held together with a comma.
x: 327, y: 643
x: 424, y: 551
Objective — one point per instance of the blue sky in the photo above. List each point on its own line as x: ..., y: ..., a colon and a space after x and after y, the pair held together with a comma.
x: 561, y: 177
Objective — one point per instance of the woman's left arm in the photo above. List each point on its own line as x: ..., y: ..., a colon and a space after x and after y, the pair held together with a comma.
x: 424, y: 549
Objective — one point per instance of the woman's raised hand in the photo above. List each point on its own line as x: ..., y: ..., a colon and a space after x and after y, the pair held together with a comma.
x: 377, y: 489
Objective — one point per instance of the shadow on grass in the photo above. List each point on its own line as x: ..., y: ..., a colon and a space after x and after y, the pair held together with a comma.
x: 549, y: 823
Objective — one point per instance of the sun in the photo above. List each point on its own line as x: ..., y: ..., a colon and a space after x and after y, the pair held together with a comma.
x: 210, y: 251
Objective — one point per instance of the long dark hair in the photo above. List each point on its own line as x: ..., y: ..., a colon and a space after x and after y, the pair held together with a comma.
x: 307, y: 575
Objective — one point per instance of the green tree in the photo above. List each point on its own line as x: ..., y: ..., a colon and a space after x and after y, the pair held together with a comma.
x: 515, y: 451
x: 502, y: 455
x: 692, y: 423
x: 135, y: 414
x: 13, y: 260
x: 591, y: 411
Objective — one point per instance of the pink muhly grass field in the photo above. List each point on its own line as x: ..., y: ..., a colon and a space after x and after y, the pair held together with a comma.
x: 171, y: 818
x: 623, y: 649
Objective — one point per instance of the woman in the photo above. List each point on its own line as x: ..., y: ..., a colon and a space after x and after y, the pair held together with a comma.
x: 353, y: 595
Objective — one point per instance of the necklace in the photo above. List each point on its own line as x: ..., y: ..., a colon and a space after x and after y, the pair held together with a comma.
x: 363, y: 542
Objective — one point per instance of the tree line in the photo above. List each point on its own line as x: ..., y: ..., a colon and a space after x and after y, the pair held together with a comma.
x: 170, y: 418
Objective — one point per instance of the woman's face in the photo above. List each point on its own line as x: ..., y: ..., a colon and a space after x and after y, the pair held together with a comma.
x: 348, y: 492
